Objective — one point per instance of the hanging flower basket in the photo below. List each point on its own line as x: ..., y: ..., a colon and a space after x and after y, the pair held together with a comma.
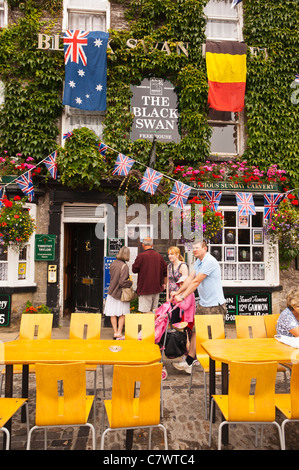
x: 283, y: 227
x: 16, y: 224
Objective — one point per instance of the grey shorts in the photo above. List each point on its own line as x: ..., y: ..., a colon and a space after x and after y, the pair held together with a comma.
x: 148, y: 303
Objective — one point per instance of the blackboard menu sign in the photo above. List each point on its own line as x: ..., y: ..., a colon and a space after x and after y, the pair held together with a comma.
x: 247, y: 304
x: 5, y: 306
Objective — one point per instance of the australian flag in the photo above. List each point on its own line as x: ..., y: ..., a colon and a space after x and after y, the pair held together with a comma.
x: 213, y: 198
x: 150, y: 181
x: 51, y: 164
x: 179, y: 195
x: 271, y: 202
x: 85, y: 57
x: 245, y: 204
x: 25, y: 183
x: 122, y: 165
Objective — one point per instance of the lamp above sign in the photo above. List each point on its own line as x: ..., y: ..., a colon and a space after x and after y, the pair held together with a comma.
x: 155, y: 107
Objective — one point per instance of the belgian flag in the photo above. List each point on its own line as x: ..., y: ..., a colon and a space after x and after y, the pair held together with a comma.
x: 226, y: 70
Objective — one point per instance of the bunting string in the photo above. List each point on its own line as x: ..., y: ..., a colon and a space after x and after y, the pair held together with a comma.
x: 150, y: 181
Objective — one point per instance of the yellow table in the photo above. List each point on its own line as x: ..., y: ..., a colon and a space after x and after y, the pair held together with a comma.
x: 244, y: 350
x: 59, y: 351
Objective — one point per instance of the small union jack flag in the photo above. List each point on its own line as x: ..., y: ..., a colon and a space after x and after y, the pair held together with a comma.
x: 179, y: 195
x: 1, y: 196
x: 150, y: 181
x: 271, y: 202
x: 51, y: 164
x: 75, y: 41
x: 297, y: 77
x: 25, y: 183
x: 102, y: 148
x: 122, y: 165
x: 67, y: 135
x: 245, y: 204
x: 214, y: 198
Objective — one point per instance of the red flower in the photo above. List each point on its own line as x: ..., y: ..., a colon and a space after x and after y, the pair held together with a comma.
x: 17, y: 198
x: 16, y: 216
x: 7, y: 203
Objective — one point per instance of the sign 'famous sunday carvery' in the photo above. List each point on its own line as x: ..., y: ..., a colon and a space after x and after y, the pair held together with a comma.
x: 155, y: 107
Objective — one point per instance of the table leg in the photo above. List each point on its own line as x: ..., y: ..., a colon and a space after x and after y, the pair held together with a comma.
x: 224, y: 381
x: 212, y: 385
x: 25, y: 388
x: 8, y: 393
x: 129, y: 439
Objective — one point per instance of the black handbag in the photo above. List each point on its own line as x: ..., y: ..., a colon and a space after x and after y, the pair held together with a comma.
x: 175, y: 344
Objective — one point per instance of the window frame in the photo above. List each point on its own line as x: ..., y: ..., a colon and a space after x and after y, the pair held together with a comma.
x: 270, y: 261
x: 13, y: 261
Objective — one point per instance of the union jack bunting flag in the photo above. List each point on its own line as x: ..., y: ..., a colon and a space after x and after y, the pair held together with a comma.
x: 297, y: 77
x: 67, y: 135
x: 245, y: 204
x: 25, y: 183
x: 150, y: 181
x: 179, y: 195
x: 214, y: 198
x: 1, y: 195
x: 235, y: 2
x: 85, y: 57
x: 102, y: 148
x: 51, y: 164
x: 271, y: 202
x: 122, y: 165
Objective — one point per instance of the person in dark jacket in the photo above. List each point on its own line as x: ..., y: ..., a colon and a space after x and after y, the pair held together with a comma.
x: 119, y: 278
x: 152, y: 276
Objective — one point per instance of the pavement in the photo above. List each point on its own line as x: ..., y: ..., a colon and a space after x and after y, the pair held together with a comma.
x: 183, y: 417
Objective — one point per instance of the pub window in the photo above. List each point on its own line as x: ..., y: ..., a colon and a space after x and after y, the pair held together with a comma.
x: 94, y: 17
x: 3, y: 14
x: 225, y: 132
x: 242, y: 251
x: 223, y: 22
x: 17, y: 268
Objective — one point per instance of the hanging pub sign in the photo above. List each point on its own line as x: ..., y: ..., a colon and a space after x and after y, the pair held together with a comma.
x: 155, y: 107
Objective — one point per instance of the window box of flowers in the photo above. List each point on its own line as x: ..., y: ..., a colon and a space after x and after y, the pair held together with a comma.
x: 232, y: 175
x: 12, y: 167
x: 16, y: 224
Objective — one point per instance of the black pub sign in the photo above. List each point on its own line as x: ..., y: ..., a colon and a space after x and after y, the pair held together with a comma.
x: 155, y: 107
x: 5, y: 307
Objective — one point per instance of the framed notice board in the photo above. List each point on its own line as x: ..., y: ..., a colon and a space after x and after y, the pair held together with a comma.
x: 247, y: 304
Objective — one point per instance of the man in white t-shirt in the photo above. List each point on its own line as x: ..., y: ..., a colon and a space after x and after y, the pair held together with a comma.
x: 206, y: 278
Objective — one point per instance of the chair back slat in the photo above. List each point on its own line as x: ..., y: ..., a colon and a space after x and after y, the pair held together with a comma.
x: 140, y: 326
x: 85, y: 326
x: 251, y: 395
x: 52, y: 408
x: 250, y: 326
x: 36, y: 326
x: 127, y: 408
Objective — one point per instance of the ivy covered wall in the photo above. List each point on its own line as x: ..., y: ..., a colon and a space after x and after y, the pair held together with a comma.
x: 33, y: 84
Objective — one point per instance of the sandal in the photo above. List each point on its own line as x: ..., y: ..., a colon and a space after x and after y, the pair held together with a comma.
x: 116, y: 336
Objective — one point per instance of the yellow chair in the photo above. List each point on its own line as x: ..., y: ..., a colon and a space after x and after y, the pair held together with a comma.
x: 88, y: 326
x: 8, y: 407
x: 270, y: 324
x: 206, y: 327
x: 250, y: 326
x: 239, y: 406
x: 255, y: 326
x: 125, y: 411
x: 288, y: 403
x: 53, y: 410
x: 32, y: 326
x: 140, y: 326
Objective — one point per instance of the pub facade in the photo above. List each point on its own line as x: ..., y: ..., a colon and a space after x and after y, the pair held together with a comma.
x: 79, y: 230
